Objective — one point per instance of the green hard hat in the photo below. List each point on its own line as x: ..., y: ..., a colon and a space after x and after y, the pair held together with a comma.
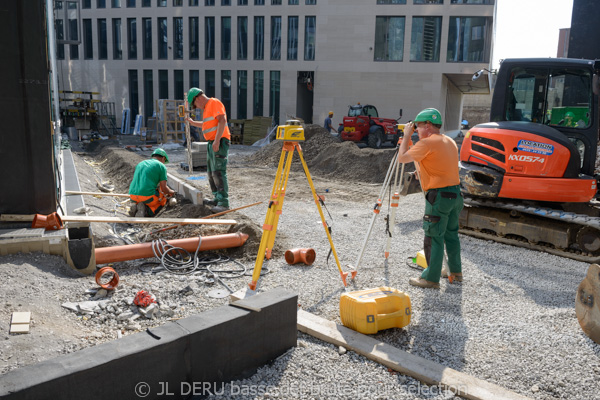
x: 569, y: 114
x: 192, y: 93
x: 161, y: 152
x: 429, y: 115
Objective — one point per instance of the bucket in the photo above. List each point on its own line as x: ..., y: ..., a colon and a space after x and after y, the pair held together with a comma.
x: 295, y: 256
x: 52, y: 222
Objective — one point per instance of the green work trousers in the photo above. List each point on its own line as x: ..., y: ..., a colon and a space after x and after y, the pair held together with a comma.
x: 217, y: 172
x: 440, y: 224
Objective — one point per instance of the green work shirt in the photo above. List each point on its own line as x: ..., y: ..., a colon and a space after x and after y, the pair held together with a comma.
x: 147, y: 176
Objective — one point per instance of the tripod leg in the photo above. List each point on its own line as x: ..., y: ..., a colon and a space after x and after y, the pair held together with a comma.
x: 270, y: 225
x: 394, y: 206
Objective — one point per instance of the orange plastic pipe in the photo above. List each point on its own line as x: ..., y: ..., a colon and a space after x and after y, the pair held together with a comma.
x: 106, y: 255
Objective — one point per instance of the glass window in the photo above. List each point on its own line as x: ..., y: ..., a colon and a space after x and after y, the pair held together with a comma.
x: 472, y: 2
x: 178, y: 83
x: 242, y: 94
x: 116, y: 3
x: 74, y: 52
x: 259, y: 2
x: 310, y: 37
x: 194, y: 3
x: 428, y: 1
x: 274, y: 96
x: 88, y: 43
x: 242, y: 2
x: 131, y: 4
x: 258, y: 93
x: 60, y: 35
x: 209, y: 39
x: 275, y: 38
x: 162, y: 39
x: 178, y: 38
x: 161, y: 3
x: 131, y: 38
x: 177, y: 3
x: 194, y: 78
x: 292, y: 39
x: 425, y: 39
x: 147, y: 37
x: 391, y: 1
x: 73, y: 24
x: 225, y: 38
x: 116, y: 32
x: 209, y: 2
x: 194, y: 38
x: 86, y: 4
x: 293, y: 2
x: 209, y: 80
x: 242, y: 35
x: 389, y: 38
x: 134, y: 101
x: 225, y: 2
x: 275, y: 2
x: 100, y: 3
x: 148, y: 94
x: 146, y: 3
x: 163, y: 84
x: 102, y: 39
x: 259, y: 38
x: 311, y: 2
x: 226, y: 90
x: 468, y: 39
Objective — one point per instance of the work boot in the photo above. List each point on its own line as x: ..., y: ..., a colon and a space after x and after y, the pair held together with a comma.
x: 209, y: 202
x: 141, y: 210
x: 218, y: 209
x: 132, y: 210
x: 420, y: 282
x: 456, y: 276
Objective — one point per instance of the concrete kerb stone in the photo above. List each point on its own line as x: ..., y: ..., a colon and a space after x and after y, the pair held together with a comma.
x: 214, y: 347
x: 188, y: 191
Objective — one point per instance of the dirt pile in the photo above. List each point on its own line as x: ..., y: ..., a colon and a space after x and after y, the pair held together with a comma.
x: 326, y: 156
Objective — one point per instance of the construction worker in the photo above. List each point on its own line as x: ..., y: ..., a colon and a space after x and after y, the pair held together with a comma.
x: 216, y: 132
x: 327, y: 124
x: 436, y: 156
x: 149, y: 188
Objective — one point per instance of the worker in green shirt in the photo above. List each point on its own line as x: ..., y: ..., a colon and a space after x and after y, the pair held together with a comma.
x: 149, y: 188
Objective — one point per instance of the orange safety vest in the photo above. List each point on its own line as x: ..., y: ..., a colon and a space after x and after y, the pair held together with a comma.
x: 212, y: 110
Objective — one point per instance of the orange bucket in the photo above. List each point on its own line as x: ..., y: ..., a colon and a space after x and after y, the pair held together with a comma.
x: 295, y: 256
x: 50, y: 222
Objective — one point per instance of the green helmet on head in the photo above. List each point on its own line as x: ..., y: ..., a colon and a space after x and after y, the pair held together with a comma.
x: 569, y: 114
x: 429, y: 115
x: 192, y: 93
x: 161, y: 152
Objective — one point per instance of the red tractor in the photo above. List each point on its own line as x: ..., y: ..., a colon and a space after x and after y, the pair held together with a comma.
x: 363, y: 124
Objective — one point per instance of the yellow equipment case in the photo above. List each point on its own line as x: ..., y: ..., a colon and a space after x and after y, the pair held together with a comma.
x: 372, y: 310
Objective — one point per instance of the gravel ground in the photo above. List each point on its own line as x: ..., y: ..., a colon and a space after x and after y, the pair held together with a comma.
x: 512, y: 322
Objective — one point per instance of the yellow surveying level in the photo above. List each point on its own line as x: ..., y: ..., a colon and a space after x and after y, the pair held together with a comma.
x: 292, y: 133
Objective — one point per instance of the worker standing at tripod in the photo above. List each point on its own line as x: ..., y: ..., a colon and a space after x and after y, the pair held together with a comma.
x: 436, y: 156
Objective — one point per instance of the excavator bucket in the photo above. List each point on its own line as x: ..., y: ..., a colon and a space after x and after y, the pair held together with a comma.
x: 587, y: 303
x: 410, y: 184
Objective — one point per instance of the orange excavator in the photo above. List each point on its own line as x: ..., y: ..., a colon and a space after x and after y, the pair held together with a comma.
x: 529, y: 176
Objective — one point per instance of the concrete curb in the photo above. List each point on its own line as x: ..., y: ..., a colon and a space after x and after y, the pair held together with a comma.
x: 193, y: 356
x: 188, y: 191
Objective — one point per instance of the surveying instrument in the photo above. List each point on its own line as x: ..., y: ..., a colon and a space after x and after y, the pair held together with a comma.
x: 291, y: 134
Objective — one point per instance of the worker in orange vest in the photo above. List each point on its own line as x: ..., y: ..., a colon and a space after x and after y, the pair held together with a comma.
x: 216, y: 132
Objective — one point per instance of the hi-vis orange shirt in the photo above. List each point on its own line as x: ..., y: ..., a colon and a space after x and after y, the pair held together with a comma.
x: 212, y: 110
x: 437, y: 156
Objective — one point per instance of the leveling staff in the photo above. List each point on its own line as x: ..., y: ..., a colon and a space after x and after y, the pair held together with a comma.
x: 216, y: 132
x: 437, y: 157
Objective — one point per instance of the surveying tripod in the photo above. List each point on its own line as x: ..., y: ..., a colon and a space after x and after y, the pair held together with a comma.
x: 291, y: 134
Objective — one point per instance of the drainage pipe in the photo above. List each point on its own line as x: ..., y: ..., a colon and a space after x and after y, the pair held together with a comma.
x: 106, y: 255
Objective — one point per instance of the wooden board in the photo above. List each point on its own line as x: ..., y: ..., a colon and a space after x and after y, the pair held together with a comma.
x: 127, y: 220
x: 424, y: 370
x: 72, y: 192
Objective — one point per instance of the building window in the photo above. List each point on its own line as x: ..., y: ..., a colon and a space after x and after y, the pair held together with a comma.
x: 425, y: 39
x: 74, y: 52
x: 275, y: 38
x: 88, y: 43
x: 178, y: 83
x: 389, y: 38
x: 117, y: 45
x: 102, y: 39
x: 472, y: 2
x: 310, y: 37
x: 162, y: 38
x: 194, y: 3
x: 209, y: 39
x: 194, y: 38
x: 148, y: 94
x: 178, y: 38
x: 258, y: 93
x: 209, y: 2
x: 73, y: 28
x: 259, y: 38
x: 311, y: 2
x: 163, y: 84
x: 161, y: 3
x: 131, y: 4
x: 209, y: 81
x: 194, y: 78
x: 293, y: 2
x: 177, y: 3
x: 147, y: 37
x: 274, y: 96
x: 60, y: 35
x: 225, y: 2
x: 100, y: 3
x: 275, y: 2
x: 242, y: 2
x: 468, y: 39
x: 242, y: 35
x: 131, y: 38
x: 292, y: 40
x: 259, y: 2
x: 116, y: 3
x: 428, y: 1
x: 242, y: 94
x: 146, y: 3
x: 226, y: 90
x: 86, y: 4
x: 134, y: 101
x: 225, y: 38
x: 391, y: 1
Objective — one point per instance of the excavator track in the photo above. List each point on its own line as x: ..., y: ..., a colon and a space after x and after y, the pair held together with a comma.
x: 562, y: 233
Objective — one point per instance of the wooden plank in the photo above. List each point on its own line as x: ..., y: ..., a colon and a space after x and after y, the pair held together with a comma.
x: 127, y: 220
x: 73, y: 192
x: 420, y: 368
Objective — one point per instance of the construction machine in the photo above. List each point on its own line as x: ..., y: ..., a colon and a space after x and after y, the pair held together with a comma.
x: 529, y: 176
x: 363, y: 124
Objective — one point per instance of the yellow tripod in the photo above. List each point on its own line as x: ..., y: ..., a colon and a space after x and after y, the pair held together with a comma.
x: 291, y: 134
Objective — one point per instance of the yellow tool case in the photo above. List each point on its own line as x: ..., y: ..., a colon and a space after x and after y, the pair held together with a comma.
x: 372, y: 310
